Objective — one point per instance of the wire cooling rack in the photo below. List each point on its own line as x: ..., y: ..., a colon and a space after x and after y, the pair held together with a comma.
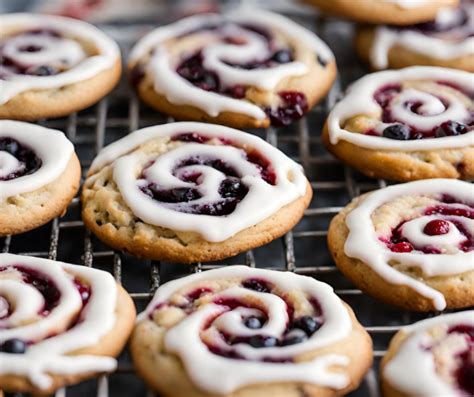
x: 303, y: 250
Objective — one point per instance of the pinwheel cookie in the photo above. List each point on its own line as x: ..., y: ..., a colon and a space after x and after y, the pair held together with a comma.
x: 187, y: 192
x: 411, y: 245
x: 447, y: 41
x: 39, y: 175
x: 249, y: 68
x: 51, y: 66
x: 242, y: 332
x: 432, y: 358
x: 414, y: 123
x: 59, y: 323
x: 396, y: 12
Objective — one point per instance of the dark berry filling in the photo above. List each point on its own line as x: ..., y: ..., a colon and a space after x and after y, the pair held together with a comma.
x: 460, y: 18
x: 257, y: 285
x: 14, y: 346
x: 29, y: 162
x: 307, y: 324
x: 197, y: 293
x: 436, y: 227
x: 464, y: 373
x: 295, y: 105
x: 451, y: 128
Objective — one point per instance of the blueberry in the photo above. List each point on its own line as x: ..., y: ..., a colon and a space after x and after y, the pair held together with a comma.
x: 282, y: 56
x: 14, y: 346
x: 259, y: 341
x: 42, y: 71
x: 294, y: 337
x: 31, y: 48
x: 253, y: 323
x: 451, y: 128
x: 308, y: 324
x: 232, y: 187
x: 397, y: 131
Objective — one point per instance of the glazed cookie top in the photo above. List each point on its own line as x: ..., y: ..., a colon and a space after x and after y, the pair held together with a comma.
x: 39, y: 52
x: 424, y: 227
x: 436, y: 358
x: 30, y: 157
x: 450, y: 36
x: 249, y: 326
x: 417, y: 108
x: 201, y: 178
x: 49, y: 309
x: 237, y: 62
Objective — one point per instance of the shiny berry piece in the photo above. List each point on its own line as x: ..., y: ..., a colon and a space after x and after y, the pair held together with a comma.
x: 282, y: 56
x: 232, y: 187
x: 397, y: 131
x: 451, y: 128
x: 402, y: 247
x: 307, y: 324
x: 436, y: 227
x: 294, y: 337
x: 253, y: 323
x: 259, y: 341
x: 256, y: 285
x: 14, y: 346
x: 42, y: 71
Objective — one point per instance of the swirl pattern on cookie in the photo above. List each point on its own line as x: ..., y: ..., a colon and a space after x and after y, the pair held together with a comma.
x: 49, y: 52
x: 417, y: 108
x: 49, y: 310
x: 201, y: 178
x: 450, y: 36
x: 30, y: 157
x: 436, y: 358
x: 249, y: 326
x: 231, y: 63
x: 428, y: 225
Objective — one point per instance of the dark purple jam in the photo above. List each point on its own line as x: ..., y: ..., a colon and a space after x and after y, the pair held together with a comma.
x: 295, y: 105
x: 257, y: 285
x: 464, y: 373
x: 29, y: 162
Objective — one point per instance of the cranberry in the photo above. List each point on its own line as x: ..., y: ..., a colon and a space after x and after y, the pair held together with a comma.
x: 463, y: 329
x: 307, y: 324
x: 197, y: 293
x: 436, y: 227
x: 14, y: 346
x: 259, y: 341
x: 257, y: 285
x: 30, y: 163
x: 451, y: 128
x: 397, y: 131
x: 253, y: 322
x: 402, y: 246
x: 465, y: 373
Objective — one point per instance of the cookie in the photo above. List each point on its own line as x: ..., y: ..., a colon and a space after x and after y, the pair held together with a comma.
x: 408, y: 124
x: 59, y: 323
x: 249, y: 68
x: 431, y: 358
x: 396, y: 12
x: 39, y: 175
x: 51, y: 66
x: 410, y: 245
x: 246, y: 332
x: 448, y: 41
x: 191, y: 192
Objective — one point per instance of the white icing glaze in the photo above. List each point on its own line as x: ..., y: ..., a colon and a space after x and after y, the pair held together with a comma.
x: 363, y: 243
x: 359, y: 99
x: 409, y: 3
x: 412, y: 369
x: 448, y: 45
x: 51, y: 146
x: 179, y: 91
x: 261, y: 201
x: 82, y: 68
x: 184, y: 338
x: 49, y: 354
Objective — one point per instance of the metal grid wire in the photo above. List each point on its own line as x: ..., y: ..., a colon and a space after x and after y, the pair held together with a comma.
x: 302, y: 250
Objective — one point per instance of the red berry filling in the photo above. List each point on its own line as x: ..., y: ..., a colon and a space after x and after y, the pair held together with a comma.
x: 29, y: 162
x: 464, y: 373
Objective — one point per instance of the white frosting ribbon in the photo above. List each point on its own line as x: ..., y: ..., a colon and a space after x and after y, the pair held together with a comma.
x: 65, y: 50
x: 364, y: 244
x: 261, y: 201
x: 179, y: 91
x: 50, y: 146
x: 412, y: 369
x: 50, y: 336
x: 184, y: 339
x: 359, y: 100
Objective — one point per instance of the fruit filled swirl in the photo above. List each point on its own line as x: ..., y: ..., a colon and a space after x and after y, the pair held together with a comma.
x: 48, y: 52
x: 238, y: 62
x: 30, y: 157
x: 435, y: 358
x: 200, y: 178
x: 427, y: 225
x: 249, y: 326
x: 49, y: 310
x: 417, y: 108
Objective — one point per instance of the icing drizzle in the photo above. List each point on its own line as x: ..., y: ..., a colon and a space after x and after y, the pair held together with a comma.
x: 30, y: 157
x: 214, y: 181
x: 216, y: 333
x: 417, y: 242
x: 52, y: 309
x: 48, y: 53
